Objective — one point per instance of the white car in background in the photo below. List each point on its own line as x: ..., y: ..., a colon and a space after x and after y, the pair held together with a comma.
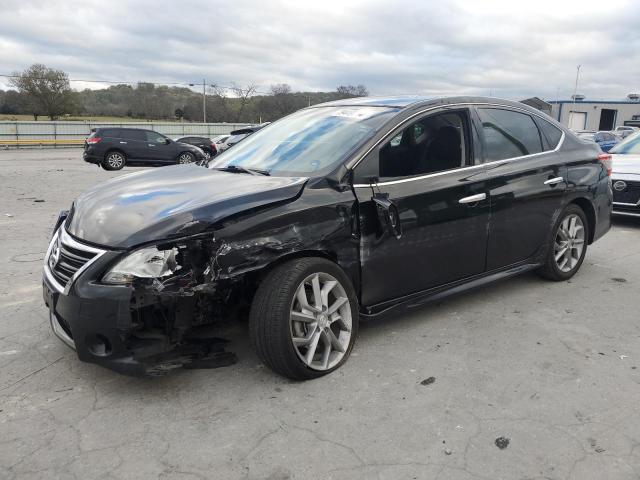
x: 624, y: 130
x: 219, y: 141
x: 625, y: 177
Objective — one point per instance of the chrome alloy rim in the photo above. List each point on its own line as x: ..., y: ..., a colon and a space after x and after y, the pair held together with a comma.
x: 115, y: 160
x: 569, y: 243
x: 320, y: 319
x: 185, y: 158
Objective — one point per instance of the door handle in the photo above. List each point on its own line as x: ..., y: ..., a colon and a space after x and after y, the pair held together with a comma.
x: 473, y: 198
x: 151, y: 144
x: 124, y: 143
x: 554, y: 181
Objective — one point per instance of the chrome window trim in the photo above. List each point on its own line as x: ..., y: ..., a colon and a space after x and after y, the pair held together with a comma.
x: 67, y: 239
x: 461, y: 169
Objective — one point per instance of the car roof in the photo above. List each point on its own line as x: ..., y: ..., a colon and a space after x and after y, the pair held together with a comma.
x: 419, y: 101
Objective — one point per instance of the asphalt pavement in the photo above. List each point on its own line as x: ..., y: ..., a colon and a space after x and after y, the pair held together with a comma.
x: 524, y: 379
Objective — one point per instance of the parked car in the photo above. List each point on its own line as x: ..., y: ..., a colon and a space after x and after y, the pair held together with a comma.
x: 207, y: 145
x: 626, y: 176
x: 219, y: 139
x: 113, y: 148
x: 624, y: 131
x: 340, y: 211
x: 605, y: 140
x: 240, y: 134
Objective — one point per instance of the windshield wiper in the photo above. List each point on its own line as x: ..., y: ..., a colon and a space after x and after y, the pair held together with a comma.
x: 237, y: 169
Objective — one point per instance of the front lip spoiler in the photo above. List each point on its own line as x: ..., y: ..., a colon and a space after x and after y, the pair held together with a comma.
x: 59, y: 331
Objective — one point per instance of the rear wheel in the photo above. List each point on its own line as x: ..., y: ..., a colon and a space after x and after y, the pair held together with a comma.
x: 304, y: 318
x: 114, y: 161
x: 186, y: 157
x: 569, y: 246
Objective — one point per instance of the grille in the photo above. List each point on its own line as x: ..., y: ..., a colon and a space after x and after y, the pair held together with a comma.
x: 631, y: 194
x: 66, y: 257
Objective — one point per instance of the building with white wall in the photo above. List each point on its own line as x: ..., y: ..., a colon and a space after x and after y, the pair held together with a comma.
x: 586, y: 114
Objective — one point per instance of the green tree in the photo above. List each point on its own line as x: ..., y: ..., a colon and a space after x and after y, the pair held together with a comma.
x: 348, y: 91
x: 47, y: 91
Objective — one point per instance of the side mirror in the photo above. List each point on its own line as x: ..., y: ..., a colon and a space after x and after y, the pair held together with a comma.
x: 167, y: 141
x: 388, y: 214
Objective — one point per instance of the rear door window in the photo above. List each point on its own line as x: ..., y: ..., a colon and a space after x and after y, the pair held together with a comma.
x: 154, y: 137
x: 508, y: 134
x: 130, y: 134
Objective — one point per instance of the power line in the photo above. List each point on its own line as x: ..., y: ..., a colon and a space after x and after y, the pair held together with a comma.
x: 122, y: 82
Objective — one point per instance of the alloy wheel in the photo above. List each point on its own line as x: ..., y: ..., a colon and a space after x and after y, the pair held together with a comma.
x: 185, y: 158
x: 569, y: 243
x: 115, y: 160
x: 320, y: 321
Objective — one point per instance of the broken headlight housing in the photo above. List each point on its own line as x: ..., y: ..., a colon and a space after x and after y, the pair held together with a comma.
x: 149, y: 263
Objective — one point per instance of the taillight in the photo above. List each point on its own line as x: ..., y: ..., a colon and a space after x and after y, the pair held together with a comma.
x: 605, y: 158
x: 213, y: 147
x: 92, y: 140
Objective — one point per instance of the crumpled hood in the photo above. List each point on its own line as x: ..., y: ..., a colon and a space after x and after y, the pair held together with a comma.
x: 625, y: 163
x: 170, y: 202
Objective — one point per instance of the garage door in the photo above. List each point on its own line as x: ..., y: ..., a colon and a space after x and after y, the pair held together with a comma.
x: 577, y: 120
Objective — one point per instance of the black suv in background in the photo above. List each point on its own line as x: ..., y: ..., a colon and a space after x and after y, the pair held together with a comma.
x: 207, y: 145
x: 114, y: 147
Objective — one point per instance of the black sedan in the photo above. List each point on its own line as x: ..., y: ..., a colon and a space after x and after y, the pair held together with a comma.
x: 338, y: 212
x: 207, y: 145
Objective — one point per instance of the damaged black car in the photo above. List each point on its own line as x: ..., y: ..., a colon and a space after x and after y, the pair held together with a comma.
x: 336, y: 213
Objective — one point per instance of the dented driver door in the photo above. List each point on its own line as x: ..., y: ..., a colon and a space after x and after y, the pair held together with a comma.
x: 420, y: 228
x: 440, y: 237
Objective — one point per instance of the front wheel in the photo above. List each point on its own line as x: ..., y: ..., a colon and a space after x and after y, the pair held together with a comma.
x: 186, y: 157
x: 304, y: 318
x: 569, y: 247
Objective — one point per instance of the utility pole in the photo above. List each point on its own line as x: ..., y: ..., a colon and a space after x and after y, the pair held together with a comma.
x: 204, y: 99
x: 204, y: 102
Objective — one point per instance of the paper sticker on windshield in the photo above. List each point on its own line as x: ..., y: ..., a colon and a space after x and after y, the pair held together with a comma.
x: 359, y: 113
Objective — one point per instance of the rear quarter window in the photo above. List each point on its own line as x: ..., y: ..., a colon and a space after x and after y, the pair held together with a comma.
x: 552, y: 133
x: 108, y: 133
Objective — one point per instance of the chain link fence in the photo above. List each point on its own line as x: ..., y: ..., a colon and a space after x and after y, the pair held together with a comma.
x: 72, y: 133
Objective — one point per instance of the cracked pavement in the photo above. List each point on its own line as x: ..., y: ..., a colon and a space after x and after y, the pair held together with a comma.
x: 549, y: 366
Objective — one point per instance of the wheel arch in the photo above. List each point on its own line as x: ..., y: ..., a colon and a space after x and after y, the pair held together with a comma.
x: 115, y: 149
x: 254, y: 278
x: 590, y: 212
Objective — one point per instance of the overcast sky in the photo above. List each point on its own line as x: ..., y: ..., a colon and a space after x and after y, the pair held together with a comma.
x: 511, y: 49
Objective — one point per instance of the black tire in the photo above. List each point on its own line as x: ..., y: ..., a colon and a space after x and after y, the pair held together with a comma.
x: 269, y: 320
x: 114, y: 160
x: 186, y: 157
x: 550, y: 269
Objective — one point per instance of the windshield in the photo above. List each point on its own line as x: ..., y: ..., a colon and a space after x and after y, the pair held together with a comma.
x: 310, y: 141
x: 630, y: 145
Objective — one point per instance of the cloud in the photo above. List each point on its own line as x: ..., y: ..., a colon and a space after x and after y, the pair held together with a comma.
x: 505, y: 48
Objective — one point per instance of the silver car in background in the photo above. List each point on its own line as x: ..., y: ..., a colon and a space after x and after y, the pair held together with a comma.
x: 624, y: 130
x: 625, y: 178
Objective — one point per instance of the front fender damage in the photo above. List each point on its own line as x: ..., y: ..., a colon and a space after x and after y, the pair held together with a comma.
x: 178, y: 321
